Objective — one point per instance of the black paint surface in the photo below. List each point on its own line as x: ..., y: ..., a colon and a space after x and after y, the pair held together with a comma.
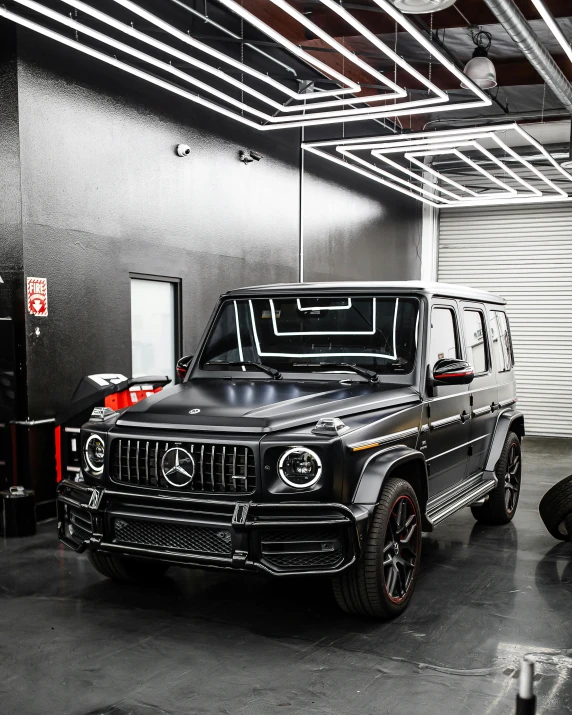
x: 76, y: 644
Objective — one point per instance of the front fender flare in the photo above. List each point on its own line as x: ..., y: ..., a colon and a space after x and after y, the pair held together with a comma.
x: 381, y: 465
x: 507, y: 421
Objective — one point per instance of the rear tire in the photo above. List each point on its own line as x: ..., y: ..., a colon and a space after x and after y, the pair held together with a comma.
x: 556, y: 509
x: 381, y: 584
x: 501, y: 505
x: 126, y: 570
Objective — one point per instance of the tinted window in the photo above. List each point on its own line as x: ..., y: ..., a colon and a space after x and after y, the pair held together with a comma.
x: 444, y: 343
x: 500, y: 339
x: 304, y: 334
x: 475, y: 336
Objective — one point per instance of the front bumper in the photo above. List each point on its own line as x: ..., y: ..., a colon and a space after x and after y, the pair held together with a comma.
x: 280, y: 539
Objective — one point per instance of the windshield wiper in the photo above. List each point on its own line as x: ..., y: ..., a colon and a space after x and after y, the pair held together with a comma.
x: 275, y: 374
x: 370, y: 374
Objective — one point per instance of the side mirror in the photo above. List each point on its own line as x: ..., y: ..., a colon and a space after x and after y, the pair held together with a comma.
x: 183, y: 365
x: 452, y: 372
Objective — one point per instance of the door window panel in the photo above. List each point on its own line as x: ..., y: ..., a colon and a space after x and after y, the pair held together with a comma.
x: 500, y: 341
x: 153, y: 332
x: 444, y: 342
x: 475, y: 337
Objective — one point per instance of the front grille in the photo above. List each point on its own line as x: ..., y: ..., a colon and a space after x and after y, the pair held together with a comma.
x: 196, y: 539
x: 306, y: 548
x: 316, y: 561
x: 217, y: 468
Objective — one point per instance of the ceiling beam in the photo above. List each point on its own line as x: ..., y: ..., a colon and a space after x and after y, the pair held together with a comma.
x: 476, y: 12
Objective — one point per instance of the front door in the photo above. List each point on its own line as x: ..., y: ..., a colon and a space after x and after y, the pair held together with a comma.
x: 447, y: 416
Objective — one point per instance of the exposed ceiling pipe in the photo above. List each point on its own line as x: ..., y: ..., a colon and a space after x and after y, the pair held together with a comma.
x: 519, y: 29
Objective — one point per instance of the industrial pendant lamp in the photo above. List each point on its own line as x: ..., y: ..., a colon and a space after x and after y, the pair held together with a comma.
x: 419, y: 7
x: 480, y: 69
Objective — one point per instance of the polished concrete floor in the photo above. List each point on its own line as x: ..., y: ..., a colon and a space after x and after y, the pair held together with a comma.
x: 73, y: 643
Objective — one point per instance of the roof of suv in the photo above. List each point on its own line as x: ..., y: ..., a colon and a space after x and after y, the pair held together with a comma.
x: 446, y: 290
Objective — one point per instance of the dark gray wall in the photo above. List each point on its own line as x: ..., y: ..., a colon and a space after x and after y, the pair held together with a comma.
x: 11, y: 237
x: 103, y: 194
x: 357, y: 233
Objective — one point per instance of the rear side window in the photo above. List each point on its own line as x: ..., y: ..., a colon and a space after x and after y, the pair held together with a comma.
x: 476, y: 339
x: 444, y: 342
x: 501, y: 342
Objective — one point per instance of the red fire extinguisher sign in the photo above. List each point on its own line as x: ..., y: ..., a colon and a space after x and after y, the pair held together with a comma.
x: 37, y: 296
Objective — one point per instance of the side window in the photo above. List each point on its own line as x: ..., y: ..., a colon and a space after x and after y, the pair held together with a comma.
x: 444, y: 342
x: 501, y: 343
x: 476, y: 340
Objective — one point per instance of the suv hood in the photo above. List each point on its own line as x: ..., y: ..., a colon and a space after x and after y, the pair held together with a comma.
x: 260, y: 405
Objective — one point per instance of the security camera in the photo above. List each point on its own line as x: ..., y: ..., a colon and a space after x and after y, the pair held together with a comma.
x: 247, y: 156
x: 183, y: 150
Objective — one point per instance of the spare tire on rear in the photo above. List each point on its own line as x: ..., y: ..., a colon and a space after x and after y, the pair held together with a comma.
x: 555, y: 506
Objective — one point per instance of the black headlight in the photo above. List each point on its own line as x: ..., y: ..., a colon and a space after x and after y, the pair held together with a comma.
x: 94, y: 454
x: 299, y: 467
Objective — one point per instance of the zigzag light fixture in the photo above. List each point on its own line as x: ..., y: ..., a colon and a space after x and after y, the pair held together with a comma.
x: 553, y: 26
x: 259, y: 101
x: 467, y: 167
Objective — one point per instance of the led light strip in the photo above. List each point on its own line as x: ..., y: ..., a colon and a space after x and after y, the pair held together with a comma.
x: 323, y: 307
x: 454, y: 148
x: 329, y: 332
x: 328, y: 117
x: 304, y: 114
x: 328, y: 354
x: 553, y: 26
x: 422, y: 145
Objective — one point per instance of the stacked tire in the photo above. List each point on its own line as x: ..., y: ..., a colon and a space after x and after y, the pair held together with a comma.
x: 556, y: 509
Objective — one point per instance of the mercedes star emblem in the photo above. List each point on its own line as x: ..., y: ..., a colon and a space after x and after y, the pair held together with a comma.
x: 178, y: 467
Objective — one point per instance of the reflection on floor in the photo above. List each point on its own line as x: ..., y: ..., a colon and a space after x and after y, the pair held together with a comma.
x: 75, y: 643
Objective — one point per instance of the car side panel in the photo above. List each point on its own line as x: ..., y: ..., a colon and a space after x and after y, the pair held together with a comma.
x: 483, y: 392
x: 508, y: 421
x: 382, y: 432
x: 379, y: 468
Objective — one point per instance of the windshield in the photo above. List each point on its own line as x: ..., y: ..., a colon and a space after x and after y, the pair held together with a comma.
x: 300, y: 334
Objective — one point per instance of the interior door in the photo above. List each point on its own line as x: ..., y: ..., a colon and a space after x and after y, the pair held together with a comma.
x: 483, y: 390
x: 448, y: 407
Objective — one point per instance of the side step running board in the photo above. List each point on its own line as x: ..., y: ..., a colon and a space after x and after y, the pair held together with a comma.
x: 446, y: 505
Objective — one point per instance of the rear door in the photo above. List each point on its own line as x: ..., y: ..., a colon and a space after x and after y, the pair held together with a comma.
x: 502, y: 354
x: 483, y: 390
x: 448, y: 408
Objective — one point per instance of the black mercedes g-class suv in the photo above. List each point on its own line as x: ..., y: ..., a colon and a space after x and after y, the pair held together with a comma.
x: 319, y: 429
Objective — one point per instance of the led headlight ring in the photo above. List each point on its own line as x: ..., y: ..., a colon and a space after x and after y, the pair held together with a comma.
x: 299, y: 450
x: 92, y: 441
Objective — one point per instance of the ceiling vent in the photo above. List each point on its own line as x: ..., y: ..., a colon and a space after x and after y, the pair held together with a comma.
x: 420, y: 7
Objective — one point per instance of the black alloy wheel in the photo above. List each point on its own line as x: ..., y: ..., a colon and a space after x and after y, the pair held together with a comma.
x: 382, y: 582
x: 500, y: 505
x: 400, y: 549
x: 512, y: 478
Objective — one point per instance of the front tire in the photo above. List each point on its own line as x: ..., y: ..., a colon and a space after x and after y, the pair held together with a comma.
x: 126, y: 570
x: 501, y: 505
x: 381, y: 584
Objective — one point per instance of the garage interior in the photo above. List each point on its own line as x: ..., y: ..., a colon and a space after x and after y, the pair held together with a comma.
x: 132, y: 197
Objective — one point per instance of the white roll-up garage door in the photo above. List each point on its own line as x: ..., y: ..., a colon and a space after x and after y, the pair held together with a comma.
x: 523, y: 253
